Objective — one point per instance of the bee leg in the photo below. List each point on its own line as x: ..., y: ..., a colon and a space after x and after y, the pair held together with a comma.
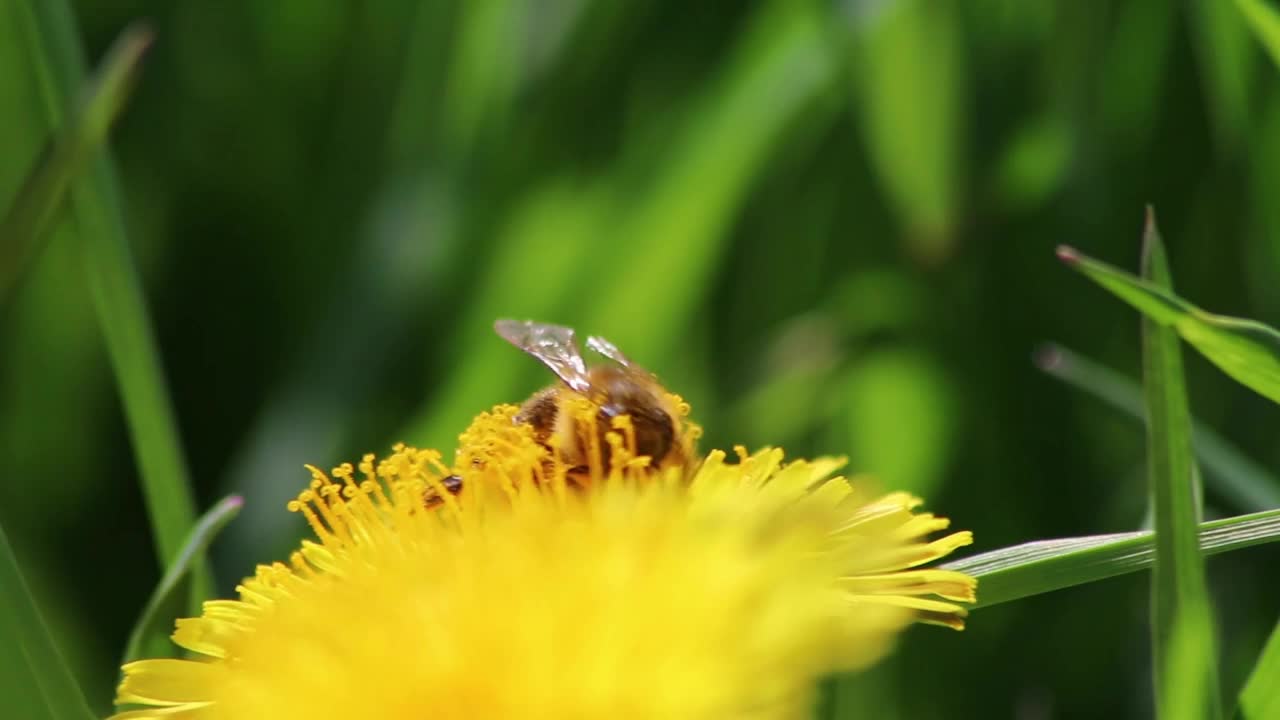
x: 578, y: 477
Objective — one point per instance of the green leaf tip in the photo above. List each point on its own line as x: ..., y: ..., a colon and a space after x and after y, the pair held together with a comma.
x: 1246, y: 350
x: 1068, y: 254
x: 150, y: 634
x: 1154, y: 261
x: 124, y: 58
x: 1047, y: 357
x: 1260, y: 697
x: 1150, y: 231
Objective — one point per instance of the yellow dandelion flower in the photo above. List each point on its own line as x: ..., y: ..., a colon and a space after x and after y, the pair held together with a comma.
x: 724, y: 590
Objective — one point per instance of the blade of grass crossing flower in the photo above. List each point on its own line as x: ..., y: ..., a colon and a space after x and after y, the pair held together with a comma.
x: 1264, y: 19
x: 1260, y: 697
x: 34, y: 207
x: 1228, y: 471
x: 1043, y: 566
x: 35, y: 681
x: 1246, y: 350
x: 150, y: 635
x: 117, y: 296
x: 1180, y: 607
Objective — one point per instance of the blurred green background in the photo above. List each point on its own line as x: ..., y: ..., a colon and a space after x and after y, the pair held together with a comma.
x: 830, y: 226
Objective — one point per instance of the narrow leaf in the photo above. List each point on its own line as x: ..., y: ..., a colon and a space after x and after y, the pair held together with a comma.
x: 1244, y: 349
x: 34, y: 678
x: 1043, y: 566
x: 1236, y: 476
x: 1188, y: 691
x: 1179, y: 598
x: 98, y: 223
x: 1260, y: 698
x: 32, y: 209
x: 1147, y: 297
x: 1228, y: 67
x: 910, y: 66
x: 149, y: 637
x: 1264, y: 19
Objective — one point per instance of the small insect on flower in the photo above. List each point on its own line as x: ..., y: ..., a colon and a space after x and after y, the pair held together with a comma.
x: 574, y: 418
x: 583, y: 562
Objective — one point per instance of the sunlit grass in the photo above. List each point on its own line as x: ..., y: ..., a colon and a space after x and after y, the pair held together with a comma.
x: 829, y: 225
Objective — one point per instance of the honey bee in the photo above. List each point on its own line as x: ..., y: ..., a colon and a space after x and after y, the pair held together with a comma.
x: 617, y: 388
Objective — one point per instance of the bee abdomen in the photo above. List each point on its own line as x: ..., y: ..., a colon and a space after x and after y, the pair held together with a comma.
x: 653, y: 428
x: 539, y: 412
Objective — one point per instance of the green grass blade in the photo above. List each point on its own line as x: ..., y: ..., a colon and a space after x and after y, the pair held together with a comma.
x: 1146, y: 297
x: 117, y: 295
x: 34, y: 206
x: 667, y: 217
x: 782, y: 65
x: 910, y: 66
x: 1188, y: 688
x: 1043, y: 566
x: 1260, y: 698
x: 1179, y: 597
x: 35, y: 682
x: 1236, y: 476
x: 1265, y: 21
x: 1228, y: 67
x: 150, y: 635
x: 1244, y: 349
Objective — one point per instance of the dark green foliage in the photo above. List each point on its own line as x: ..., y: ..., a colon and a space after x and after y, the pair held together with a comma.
x: 829, y: 225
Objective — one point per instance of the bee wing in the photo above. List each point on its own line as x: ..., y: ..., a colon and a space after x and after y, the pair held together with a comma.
x: 611, y: 351
x: 552, y: 345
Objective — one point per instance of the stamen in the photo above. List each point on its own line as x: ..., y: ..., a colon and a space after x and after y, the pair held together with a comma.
x: 302, y: 505
x: 339, y: 531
